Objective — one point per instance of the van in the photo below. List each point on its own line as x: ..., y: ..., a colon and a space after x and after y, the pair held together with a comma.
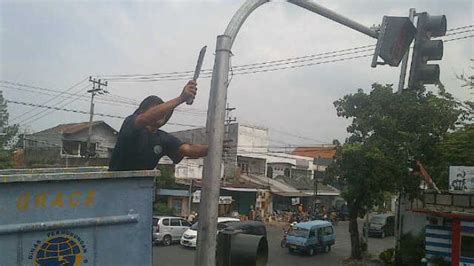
x: 167, y: 229
x: 381, y: 225
x: 311, y: 237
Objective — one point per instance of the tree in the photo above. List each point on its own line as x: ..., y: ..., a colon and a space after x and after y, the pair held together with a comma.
x: 364, y: 170
x: 388, y: 133
x: 8, y: 136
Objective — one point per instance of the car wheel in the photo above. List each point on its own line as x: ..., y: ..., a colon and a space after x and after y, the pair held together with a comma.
x: 167, y: 240
x: 311, y: 251
x: 382, y: 235
x: 327, y: 249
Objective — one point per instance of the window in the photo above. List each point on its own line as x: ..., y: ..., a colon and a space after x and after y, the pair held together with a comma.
x: 327, y: 231
x: 185, y: 223
x: 467, y: 246
x: 155, y: 221
x: 269, y: 172
x: 222, y: 226
x: 312, y: 233
x: 166, y: 222
x: 175, y: 222
x: 176, y: 205
x: 71, y: 147
x: 93, y: 149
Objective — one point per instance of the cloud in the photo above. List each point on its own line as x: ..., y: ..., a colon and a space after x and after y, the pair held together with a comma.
x: 55, y: 44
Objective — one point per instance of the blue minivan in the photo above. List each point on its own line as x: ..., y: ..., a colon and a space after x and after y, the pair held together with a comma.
x: 311, y: 237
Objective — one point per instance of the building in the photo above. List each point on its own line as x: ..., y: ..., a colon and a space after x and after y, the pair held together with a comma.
x: 255, y: 177
x: 446, y: 218
x: 66, y: 145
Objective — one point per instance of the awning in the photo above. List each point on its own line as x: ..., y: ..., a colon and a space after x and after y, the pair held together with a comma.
x: 291, y: 194
x: 240, y: 189
x: 173, y: 192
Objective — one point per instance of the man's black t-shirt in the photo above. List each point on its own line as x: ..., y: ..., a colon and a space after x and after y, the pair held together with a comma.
x: 139, y: 149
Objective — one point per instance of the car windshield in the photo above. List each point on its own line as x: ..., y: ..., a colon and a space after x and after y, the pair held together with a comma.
x: 299, y: 232
x: 377, y: 220
x: 194, y: 226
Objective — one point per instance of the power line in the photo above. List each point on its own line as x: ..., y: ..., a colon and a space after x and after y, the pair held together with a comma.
x: 109, y: 99
x: 85, y: 112
x: 180, y: 75
x: 65, y: 91
x: 34, y: 117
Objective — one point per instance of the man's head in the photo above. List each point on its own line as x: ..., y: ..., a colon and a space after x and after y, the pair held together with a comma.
x: 150, y: 102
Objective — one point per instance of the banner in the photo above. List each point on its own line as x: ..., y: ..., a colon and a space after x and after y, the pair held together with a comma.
x: 461, y: 179
x: 222, y: 199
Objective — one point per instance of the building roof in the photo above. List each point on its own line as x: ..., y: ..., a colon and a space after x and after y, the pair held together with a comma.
x: 73, y: 128
x: 311, y: 224
x: 306, y: 185
x: 284, y: 189
x: 314, y: 152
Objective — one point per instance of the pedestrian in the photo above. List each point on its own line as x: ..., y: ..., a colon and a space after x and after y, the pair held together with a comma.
x: 141, y: 143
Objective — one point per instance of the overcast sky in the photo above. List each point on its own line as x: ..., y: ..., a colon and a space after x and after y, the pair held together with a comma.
x: 56, y: 44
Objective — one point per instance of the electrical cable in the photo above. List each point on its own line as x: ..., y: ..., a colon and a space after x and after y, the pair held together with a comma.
x: 46, y: 102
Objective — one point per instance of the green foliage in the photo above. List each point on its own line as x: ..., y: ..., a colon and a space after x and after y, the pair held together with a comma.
x: 8, y: 136
x: 405, y: 127
x: 412, y: 250
x: 166, y: 179
x: 367, y: 174
x: 455, y: 149
x: 388, y: 257
x: 388, y: 133
x: 438, y: 261
x: 160, y: 208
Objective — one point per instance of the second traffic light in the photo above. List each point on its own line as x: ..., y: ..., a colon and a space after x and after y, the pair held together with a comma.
x: 426, y: 49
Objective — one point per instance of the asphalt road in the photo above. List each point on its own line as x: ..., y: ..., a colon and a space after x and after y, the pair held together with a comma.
x: 175, y: 255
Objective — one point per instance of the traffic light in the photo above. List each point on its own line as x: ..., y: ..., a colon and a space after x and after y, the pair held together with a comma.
x: 396, y: 35
x: 426, y: 49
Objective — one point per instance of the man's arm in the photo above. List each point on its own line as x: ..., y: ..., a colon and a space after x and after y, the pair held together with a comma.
x: 152, y: 115
x: 193, y: 150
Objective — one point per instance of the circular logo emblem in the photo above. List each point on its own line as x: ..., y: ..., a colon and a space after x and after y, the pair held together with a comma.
x: 64, y: 250
x: 157, y: 149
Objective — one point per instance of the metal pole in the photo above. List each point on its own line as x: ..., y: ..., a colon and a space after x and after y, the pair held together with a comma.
x: 190, y: 196
x: 311, y: 6
x: 208, y: 208
x: 403, y: 68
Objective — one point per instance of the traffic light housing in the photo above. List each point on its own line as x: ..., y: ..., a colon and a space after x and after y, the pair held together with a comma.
x: 395, y: 37
x: 426, y: 49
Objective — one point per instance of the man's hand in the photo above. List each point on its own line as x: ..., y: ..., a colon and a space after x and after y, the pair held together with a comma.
x: 193, y: 150
x: 189, y: 91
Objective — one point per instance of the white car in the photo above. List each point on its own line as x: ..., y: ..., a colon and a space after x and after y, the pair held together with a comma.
x: 189, y: 237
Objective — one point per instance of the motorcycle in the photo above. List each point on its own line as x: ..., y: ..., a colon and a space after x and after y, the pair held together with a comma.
x: 285, y: 235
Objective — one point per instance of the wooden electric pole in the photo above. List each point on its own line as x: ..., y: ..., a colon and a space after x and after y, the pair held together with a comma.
x: 94, y: 91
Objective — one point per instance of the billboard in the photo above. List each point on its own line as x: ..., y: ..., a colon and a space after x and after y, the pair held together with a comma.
x: 461, y: 179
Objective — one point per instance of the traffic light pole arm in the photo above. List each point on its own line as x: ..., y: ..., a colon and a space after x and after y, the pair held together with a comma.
x: 318, y: 9
x: 208, y: 208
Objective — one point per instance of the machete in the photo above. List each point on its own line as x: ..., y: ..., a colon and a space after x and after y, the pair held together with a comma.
x: 197, y: 70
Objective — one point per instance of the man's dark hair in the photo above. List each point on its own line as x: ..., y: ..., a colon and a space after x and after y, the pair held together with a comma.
x: 149, y: 102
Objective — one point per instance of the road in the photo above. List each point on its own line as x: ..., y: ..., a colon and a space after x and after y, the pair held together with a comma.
x: 176, y: 255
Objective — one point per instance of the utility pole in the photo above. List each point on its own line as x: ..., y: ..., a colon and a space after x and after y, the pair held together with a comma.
x: 95, y: 90
x: 190, y: 199
x: 228, y: 156
x: 316, y: 176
